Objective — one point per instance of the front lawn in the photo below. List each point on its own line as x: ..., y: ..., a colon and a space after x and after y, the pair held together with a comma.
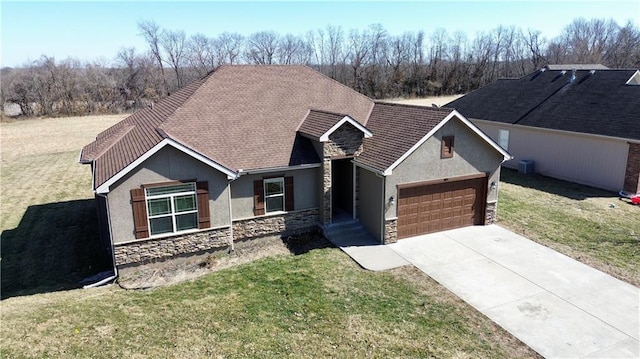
x: 315, y: 305
x: 588, y: 224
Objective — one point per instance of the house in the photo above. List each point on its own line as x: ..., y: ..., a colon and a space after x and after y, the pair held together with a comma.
x: 579, y: 123
x: 250, y: 151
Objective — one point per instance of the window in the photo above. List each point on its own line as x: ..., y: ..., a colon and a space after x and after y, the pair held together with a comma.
x: 172, y: 208
x: 447, y: 147
x: 503, y: 139
x: 274, y: 194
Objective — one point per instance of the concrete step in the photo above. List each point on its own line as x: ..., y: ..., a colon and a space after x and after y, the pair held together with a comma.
x: 349, y: 234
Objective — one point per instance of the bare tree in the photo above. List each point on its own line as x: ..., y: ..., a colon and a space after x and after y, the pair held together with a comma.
x: 152, y: 34
x: 174, y: 44
x: 229, y: 46
x: 261, y: 47
x: 291, y: 50
x: 334, y: 49
x: 358, y: 53
x: 201, y: 54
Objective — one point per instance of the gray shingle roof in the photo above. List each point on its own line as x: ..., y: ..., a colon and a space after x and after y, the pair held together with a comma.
x: 595, y: 102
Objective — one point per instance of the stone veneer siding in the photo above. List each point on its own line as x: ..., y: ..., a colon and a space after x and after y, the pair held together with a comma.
x: 326, y: 191
x: 632, y: 174
x: 345, y: 141
x: 284, y: 224
x: 154, y: 249
x: 391, y: 231
x: 157, y: 249
x: 491, y: 213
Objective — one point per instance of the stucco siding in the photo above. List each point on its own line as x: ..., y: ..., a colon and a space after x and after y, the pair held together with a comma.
x: 305, y: 187
x: 370, y: 208
x: 593, y: 161
x: 472, y: 155
x: 168, y: 164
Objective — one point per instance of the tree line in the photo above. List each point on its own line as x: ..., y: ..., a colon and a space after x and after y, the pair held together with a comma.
x: 371, y: 61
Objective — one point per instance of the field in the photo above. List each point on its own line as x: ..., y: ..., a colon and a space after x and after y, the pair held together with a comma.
x: 315, y: 304
x: 47, y: 204
x: 428, y: 101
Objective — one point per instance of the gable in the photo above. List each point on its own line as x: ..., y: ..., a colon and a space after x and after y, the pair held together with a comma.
x: 166, y: 143
x: 471, y: 155
x: 401, y: 130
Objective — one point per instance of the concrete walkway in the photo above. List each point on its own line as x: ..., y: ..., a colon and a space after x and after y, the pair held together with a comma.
x: 354, y: 240
x: 558, y: 306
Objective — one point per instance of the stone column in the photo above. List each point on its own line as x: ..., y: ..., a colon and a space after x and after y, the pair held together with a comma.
x: 326, y: 191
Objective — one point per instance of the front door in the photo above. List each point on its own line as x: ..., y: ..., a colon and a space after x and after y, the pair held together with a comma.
x: 341, y: 189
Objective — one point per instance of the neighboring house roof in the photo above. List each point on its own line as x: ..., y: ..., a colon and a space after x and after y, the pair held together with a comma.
x: 240, y: 117
x: 400, y: 129
x: 600, y: 102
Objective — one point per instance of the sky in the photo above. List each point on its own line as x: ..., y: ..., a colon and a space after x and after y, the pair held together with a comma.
x: 96, y: 31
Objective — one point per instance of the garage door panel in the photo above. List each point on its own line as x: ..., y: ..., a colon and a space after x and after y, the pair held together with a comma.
x: 437, y: 207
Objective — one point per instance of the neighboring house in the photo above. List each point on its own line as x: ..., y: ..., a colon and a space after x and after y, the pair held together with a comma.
x: 251, y: 151
x: 579, y: 123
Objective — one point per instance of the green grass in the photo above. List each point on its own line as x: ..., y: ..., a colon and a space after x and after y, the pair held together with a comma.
x: 319, y: 304
x: 591, y: 225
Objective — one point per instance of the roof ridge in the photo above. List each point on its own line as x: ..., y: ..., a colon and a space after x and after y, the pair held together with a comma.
x: 317, y: 72
x: 311, y: 109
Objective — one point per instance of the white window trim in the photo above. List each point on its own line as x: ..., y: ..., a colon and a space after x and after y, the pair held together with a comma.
x: 264, y: 185
x: 173, y: 213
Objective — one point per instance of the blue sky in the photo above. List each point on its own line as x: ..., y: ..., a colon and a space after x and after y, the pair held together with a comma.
x: 98, y: 30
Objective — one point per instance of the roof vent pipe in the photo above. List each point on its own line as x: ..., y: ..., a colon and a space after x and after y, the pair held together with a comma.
x: 573, y: 75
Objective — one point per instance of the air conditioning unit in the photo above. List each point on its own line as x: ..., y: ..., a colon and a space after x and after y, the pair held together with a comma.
x: 526, y: 167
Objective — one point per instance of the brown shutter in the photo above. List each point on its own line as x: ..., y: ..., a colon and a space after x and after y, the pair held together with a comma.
x: 258, y: 198
x: 288, y: 194
x: 204, y: 219
x: 139, y: 205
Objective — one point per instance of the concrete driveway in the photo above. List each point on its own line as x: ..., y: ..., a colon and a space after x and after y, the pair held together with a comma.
x: 556, y: 305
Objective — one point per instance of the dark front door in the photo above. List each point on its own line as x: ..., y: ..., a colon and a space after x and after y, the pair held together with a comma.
x: 342, y: 188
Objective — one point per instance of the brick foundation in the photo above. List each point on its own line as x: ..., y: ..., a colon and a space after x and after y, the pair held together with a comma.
x: 391, y: 231
x: 632, y: 174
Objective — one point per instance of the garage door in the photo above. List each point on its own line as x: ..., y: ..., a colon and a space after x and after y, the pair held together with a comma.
x: 438, y: 206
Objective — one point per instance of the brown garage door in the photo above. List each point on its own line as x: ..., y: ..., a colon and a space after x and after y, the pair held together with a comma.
x: 440, y: 205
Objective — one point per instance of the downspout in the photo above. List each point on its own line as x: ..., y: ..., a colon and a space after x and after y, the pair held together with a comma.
x: 382, y: 207
x: 353, y: 193
x: 231, y: 247
x: 113, y: 253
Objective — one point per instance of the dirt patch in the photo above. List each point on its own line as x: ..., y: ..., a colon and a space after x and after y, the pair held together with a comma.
x: 185, y: 269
